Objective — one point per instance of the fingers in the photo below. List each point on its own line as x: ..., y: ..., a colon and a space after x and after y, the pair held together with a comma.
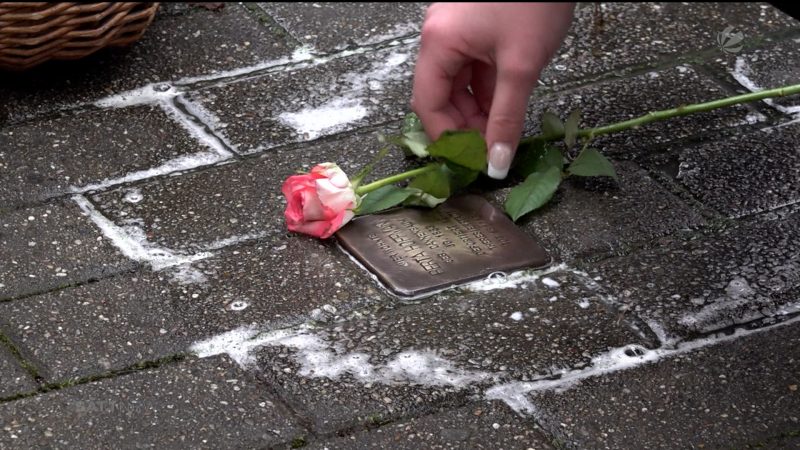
x: 515, y: 81
x: 434, y: 76
x: 483, y: 81
x: 466, y: 103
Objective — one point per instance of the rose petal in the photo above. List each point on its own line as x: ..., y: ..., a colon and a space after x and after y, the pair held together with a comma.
x: 297, y: 182
x: 318, y: 229
x: 334, y: 197
x: 312, y: 207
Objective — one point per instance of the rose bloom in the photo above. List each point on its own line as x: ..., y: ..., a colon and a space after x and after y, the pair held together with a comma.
x: 320, y: 202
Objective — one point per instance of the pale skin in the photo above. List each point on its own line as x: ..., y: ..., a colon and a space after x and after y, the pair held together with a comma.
x: 477, y: 66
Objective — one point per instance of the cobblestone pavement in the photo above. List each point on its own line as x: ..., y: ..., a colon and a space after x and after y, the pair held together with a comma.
x: 150, y: 295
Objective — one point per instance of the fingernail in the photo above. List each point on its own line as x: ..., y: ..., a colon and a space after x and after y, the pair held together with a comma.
x: 499, y: 160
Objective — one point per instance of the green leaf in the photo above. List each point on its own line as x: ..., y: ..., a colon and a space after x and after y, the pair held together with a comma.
x: 445, y: 180
x: 412, y: 138
x: 551, y: 125
x: 591, y: 163
x: 416, y: 142
x: 460, y: 176
x: 420, y: 198
x: 382, y: 198
x: 466, y: 148
x: 534, y: 192
x: 537, y: 156
x: 436, y: 182
x: 412, y: 123
x: 571, y: 128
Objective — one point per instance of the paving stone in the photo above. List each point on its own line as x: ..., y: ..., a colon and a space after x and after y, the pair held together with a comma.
x: 195, y: 403
x: 618, y: 100
x: 311, y: 101
x: 52, y: 246
x: 769, y: 67
x: 13, y: 378
x: 746, y: 174
x: 477, y: 426
x: 634, y: 35
x: 203, y: 209
x: 199, y: 42
x: 118, y: 322
x: 594, y: 218
x: 389, y: 363
x: 695, y: 284
x: 738, y: 394
x: 335, y: 26
x: 49, y: 157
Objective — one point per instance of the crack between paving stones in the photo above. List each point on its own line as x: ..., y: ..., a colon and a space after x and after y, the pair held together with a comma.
x: 216, y: 142
x: 750, y: 215
x: 673, y: 186
x: 373, y: 422
x: 265, y: 18
x: 132, y: 369
x: 26, y: 365
x: 210, y: 81
x: 772, y: 439
x: 730, y: 330
x: 730, y: 88
x: 91, y: 280
x: 695, y: 58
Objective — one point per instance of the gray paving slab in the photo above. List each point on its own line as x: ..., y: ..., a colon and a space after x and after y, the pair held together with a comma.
x: 13, y: 378
x: 331, y: 26
x: 311, y: 101
x: 118, y: 322
x: 51, y: 246
x: 477, y: 426
x: 52, y: 156
x: 194, y: 43
x: 745, y: 174
x: 206, y: 208
x: 773, y: 65
x: 206, y: 403
x: 591, y: 219
x: 738, y: 394
x: 632, y: 36
x: 691, y: 284
x: 622, y: 99
x: 392, y: 362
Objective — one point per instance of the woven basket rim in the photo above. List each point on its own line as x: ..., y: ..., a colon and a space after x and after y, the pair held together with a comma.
x: 32, y: 33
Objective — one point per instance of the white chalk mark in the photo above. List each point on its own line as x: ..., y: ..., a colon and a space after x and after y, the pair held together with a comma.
x: 151, y: 93
x: 179, y: 164
x: 516, y: 393
x: 318, y: 358
x: 741, y: 73
x: 133, y: 244
x: 218, y: 143
x: 331, y: 116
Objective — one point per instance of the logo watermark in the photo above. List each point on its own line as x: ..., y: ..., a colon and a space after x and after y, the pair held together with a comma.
x: 730, y: 41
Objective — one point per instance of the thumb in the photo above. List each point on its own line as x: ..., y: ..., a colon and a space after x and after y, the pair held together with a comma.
x: 507, y: 115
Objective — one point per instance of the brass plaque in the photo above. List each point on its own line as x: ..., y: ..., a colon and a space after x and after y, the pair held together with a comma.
x: 414, y: 251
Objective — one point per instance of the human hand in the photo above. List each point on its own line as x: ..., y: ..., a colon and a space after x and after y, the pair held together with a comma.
x: 477, y: 67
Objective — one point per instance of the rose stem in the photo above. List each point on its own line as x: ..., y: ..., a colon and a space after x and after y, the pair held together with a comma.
x: 394, y: 179
x: 679, y: 111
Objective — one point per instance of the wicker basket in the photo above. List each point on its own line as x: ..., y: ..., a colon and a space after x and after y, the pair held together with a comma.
x: 32, y: 33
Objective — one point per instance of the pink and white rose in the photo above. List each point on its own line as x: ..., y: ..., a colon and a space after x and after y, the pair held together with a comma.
x: 319, y: 202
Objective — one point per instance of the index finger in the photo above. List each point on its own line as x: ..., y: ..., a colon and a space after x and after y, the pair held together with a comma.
x: 435, y: 72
